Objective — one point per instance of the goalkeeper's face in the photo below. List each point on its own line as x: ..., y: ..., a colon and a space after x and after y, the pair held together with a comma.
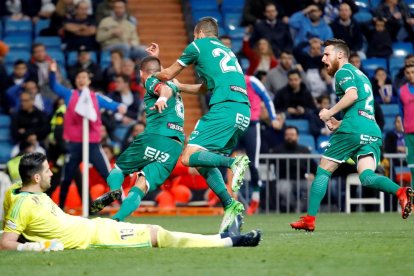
x: 44, y: 176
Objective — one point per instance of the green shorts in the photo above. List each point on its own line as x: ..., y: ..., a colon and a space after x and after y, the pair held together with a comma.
x: 343, y: 146
x: 155, y: 156
x: 220, y: 129
x: 409, y: 144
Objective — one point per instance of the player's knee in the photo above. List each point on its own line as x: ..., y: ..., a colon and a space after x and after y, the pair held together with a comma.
x: 185, y: 159
x: 141, y: 183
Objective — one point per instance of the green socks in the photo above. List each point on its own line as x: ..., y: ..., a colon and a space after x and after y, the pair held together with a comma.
x: 412, y: 177
x: 318, y: 190
x: 130, y: 203
x: 209, y: 159
x: 216, y: 183
x: 115, y: 179
x: 374, y: 181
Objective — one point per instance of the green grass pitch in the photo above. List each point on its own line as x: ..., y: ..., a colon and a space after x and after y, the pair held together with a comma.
x: 357, y: 244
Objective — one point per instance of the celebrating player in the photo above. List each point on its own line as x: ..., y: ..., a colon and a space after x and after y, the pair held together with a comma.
x: 45, y: 226
x: 357, y: 136
x: 217, y: 132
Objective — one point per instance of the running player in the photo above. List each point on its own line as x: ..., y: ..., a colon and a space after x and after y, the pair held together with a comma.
x: 218, y: 131
x: 357, y: 136
x: 45, y: 226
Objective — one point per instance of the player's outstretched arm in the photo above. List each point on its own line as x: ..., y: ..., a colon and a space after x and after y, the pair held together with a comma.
x: 9, y: 242
x: 191, y: 88
x: 170, y: 72
x: 347, y: 100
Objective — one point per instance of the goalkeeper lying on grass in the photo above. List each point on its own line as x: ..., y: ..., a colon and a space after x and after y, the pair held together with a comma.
x: 34, y: 217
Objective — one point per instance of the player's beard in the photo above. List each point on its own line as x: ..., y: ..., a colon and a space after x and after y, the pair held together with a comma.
x: 333, y: 68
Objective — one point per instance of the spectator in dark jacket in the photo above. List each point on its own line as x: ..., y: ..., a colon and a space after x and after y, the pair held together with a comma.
x: 400, y: 78
x: 394, y: 139
x: 19, y: 75
x: 274, y: 30
x: 379, y: 40
x: 347, y: 29
x: 85, y: 63
x: 29, y: 121
x: 294, y: 99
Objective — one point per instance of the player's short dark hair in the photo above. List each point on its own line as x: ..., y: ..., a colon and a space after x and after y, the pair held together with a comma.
x: 323, y: 97
x: 124, y: 77
x: 145, y: 61
x: 208, y: 25
x: 338, y: 44
x: 287, y: 52
x: 294, y: 72
x: 37, y: 45
x: 353, y: 54
x: 19, y: 62
x: 30, y: 164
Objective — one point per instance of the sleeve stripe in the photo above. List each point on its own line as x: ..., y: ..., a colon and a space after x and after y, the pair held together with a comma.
x: 182, y: 63
x: 16, y: 207
x: 195, y: 45
x: 350, y: 88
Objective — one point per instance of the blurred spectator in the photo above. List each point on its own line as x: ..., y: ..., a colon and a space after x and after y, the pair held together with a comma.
x: 4, y: 49
x: 105, y: 9
x: 19, y: 75
x: 316, y: 125
x: 400, y: 78
x: 65, y: 9
x: 272, y: 29
x: 355, y: 60
x: 131, y: 100
x: 382, y: 87
x: 113, y: 70
x: 308, y: 24
x: 12, y: 166
x: 83, y: 63
x: 89, y: 2
x: 42, y: 103
x: 406, y: 100
x: 331, y: 8
x: 128, y: 69
x: 271, y: 137
x: 394, y: 139
x: 277, y: 77
x: 28, y: 9
x: 133, y: 131
x: 396, y: 14
x: 347, y: 29
x: 288, y: 169
x: 80, y: 29
x: 117, y: 32
x: 72, y: 128
x: 253, y: 11
x: 294, y: 98
x: 29, y: 120
x: 261, y: 58
x: 379, y: 40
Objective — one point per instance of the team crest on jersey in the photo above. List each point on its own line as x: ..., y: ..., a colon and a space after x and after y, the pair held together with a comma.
x: 344, y: 80
x: 154, y: 154
x: 11, y: 225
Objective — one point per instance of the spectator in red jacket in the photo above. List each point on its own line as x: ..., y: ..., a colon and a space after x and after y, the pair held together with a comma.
x: 261, y: 58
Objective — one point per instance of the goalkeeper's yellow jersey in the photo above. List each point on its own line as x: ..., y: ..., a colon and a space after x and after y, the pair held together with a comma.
x: 37, y: 218
x: 9, y: 197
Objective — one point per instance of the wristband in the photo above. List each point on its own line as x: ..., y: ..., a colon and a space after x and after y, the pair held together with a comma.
x: 162, y: 99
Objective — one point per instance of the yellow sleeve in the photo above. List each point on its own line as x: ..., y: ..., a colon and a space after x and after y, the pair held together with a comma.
x: 19, y: 215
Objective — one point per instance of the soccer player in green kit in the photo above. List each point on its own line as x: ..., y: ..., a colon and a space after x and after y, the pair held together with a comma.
x: 357, y: 136
x: 217, y: 132
x: 155, y: 152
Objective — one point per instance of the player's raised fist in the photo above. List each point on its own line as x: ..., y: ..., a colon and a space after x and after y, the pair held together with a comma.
x: 153, y: 50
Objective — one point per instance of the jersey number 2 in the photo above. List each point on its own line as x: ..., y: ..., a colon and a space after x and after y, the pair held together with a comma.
x: 226, y: 59
x: 370, y: 98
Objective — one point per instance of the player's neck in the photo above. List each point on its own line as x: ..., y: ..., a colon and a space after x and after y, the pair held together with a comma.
x: 31, y: 188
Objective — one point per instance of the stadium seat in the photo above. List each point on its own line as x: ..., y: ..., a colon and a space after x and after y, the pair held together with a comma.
x: 232, y: 20
x: 388, y: 123
x: 363, y: 5
x: 200, y: 14
x: 371, y: 64
x: 5, y: 121
x: 58, y: 56
x: 232, y: 6
x: 244, y: 62
x: 374, y: 3
x: 5, y: 151
x: 105, y: 59
x: 322, y: 143
x: 363, y: 16
x: 353, y: 180
x: 63, y: 72
x: 21, y: 27
x: 237, y: 32
x: 401, y: 49
x: 203, y: 5
x: 236, y: 45
x: 308, y: 141
x: 73, y: 56
x: 5, y: 134
x: 50, y: 42
x: 40, y: 25
x: 390, y: 110
x: 395, y: 64
x: 410, y: 4
x: 120, y: 132
x: 14, y: 55
x: 19, y: 42
x: 222, y: 31
x: 301, y: 124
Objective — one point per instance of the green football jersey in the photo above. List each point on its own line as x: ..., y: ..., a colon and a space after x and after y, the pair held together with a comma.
x: 170, y: 122
x: 360, y: 116
x: 217, y: 65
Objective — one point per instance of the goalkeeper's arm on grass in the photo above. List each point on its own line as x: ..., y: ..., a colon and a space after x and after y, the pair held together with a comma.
x: 9, y: 241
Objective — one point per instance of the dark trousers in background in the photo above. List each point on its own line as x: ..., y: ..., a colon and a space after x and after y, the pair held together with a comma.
x: 97, y: 158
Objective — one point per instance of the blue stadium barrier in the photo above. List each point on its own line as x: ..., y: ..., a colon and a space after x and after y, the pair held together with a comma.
x: 371, y: 64
x: 5, y: 151
x: 203, y: 5
x: 390, y: 110
x: 18, y: 27
x: 19, y: 41
x: 232, y: 6
x: 50, y: 42
x: 301, y: 124
x: 73, y: 56
x: 308, y: 141
x: 14, y: 55
x: 401, y: 49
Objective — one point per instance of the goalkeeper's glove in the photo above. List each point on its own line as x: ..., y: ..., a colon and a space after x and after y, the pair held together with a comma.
x: 42, y: 246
